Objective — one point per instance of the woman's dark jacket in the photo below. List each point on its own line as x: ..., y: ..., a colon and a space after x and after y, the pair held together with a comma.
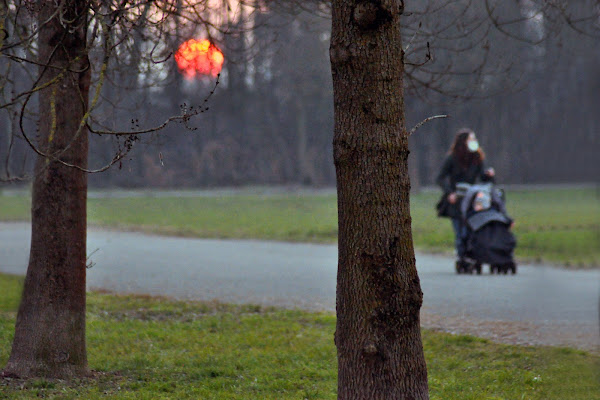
x: 452, y: 173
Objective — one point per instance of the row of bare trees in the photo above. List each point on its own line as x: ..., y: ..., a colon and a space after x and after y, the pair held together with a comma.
x: 103, y: 67
x: 271, y: 117
x: 270, y: 120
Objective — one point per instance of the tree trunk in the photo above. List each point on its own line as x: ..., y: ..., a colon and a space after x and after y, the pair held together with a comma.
x: 50, y: 330
x: 305, y: 177
x: 378, y: 338
x: 414, y: 167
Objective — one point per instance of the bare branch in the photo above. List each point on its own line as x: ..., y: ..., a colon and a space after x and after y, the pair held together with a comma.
x: 420, y: 124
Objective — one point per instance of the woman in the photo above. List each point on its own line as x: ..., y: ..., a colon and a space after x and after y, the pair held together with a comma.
x: 464, y: 163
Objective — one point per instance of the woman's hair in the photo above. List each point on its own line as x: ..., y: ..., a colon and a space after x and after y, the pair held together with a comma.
x: 461, y: 152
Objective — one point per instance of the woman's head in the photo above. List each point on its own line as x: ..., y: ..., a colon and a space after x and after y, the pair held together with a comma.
x: 466, y: 148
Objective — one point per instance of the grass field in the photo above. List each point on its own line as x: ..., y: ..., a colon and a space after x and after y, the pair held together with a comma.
x: 155, y: 348
x: 557, y: 226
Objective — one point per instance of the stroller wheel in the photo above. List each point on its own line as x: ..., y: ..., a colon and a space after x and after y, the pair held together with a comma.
x: 467, y: 267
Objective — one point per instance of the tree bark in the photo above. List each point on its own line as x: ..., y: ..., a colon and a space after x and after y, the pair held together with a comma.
x: 378, y: 338
x: 50, y: 330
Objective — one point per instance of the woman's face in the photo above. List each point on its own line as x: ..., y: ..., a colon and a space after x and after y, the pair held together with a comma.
x: 472, y: 143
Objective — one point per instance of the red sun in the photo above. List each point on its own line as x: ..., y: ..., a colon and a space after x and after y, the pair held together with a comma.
x: 199, y: 57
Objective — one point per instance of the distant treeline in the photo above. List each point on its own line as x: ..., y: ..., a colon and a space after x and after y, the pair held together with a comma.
x: 270, y: 120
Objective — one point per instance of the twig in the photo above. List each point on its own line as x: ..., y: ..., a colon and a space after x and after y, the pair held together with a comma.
x: 420, y: 124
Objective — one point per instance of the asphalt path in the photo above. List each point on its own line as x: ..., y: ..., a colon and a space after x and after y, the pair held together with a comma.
x: 539, y: 305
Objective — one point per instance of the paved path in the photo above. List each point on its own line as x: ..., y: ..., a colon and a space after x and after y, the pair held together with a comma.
x: 539, y: 305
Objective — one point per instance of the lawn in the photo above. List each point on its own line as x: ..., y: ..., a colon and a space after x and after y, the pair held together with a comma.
x: 556, y: 226
x: 154, y: 348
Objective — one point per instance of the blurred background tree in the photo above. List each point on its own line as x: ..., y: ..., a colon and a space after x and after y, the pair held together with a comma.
x: 524, y: 75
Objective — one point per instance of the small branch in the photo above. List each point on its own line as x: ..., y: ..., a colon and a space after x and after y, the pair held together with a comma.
x: 185, y: 116
x: 428, y: 57
x: 13, y: 179
x: 420, y: 124
x: 89, y: 263
x: 412, y: 39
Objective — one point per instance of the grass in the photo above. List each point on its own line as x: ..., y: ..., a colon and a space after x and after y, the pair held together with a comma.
x: 154, y: 348
x: 556, y: 226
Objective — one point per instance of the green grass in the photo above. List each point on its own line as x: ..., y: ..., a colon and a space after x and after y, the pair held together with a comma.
x: 152, y: 348
x: 557, y: 226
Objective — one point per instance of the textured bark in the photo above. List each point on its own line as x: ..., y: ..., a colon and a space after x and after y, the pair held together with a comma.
x: 50, y: 330
x: 378, y: 338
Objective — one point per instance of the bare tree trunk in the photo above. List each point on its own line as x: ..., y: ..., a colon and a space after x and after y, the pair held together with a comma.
x: 305, y: 177
x: 50, y: 330
x: 414, y: 168
x: 378, y: 338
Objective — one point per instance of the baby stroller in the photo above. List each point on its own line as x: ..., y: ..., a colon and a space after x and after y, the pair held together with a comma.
x: 488, y: 237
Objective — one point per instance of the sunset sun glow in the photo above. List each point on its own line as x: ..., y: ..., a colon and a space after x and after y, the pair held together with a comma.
x: 199, y: 58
